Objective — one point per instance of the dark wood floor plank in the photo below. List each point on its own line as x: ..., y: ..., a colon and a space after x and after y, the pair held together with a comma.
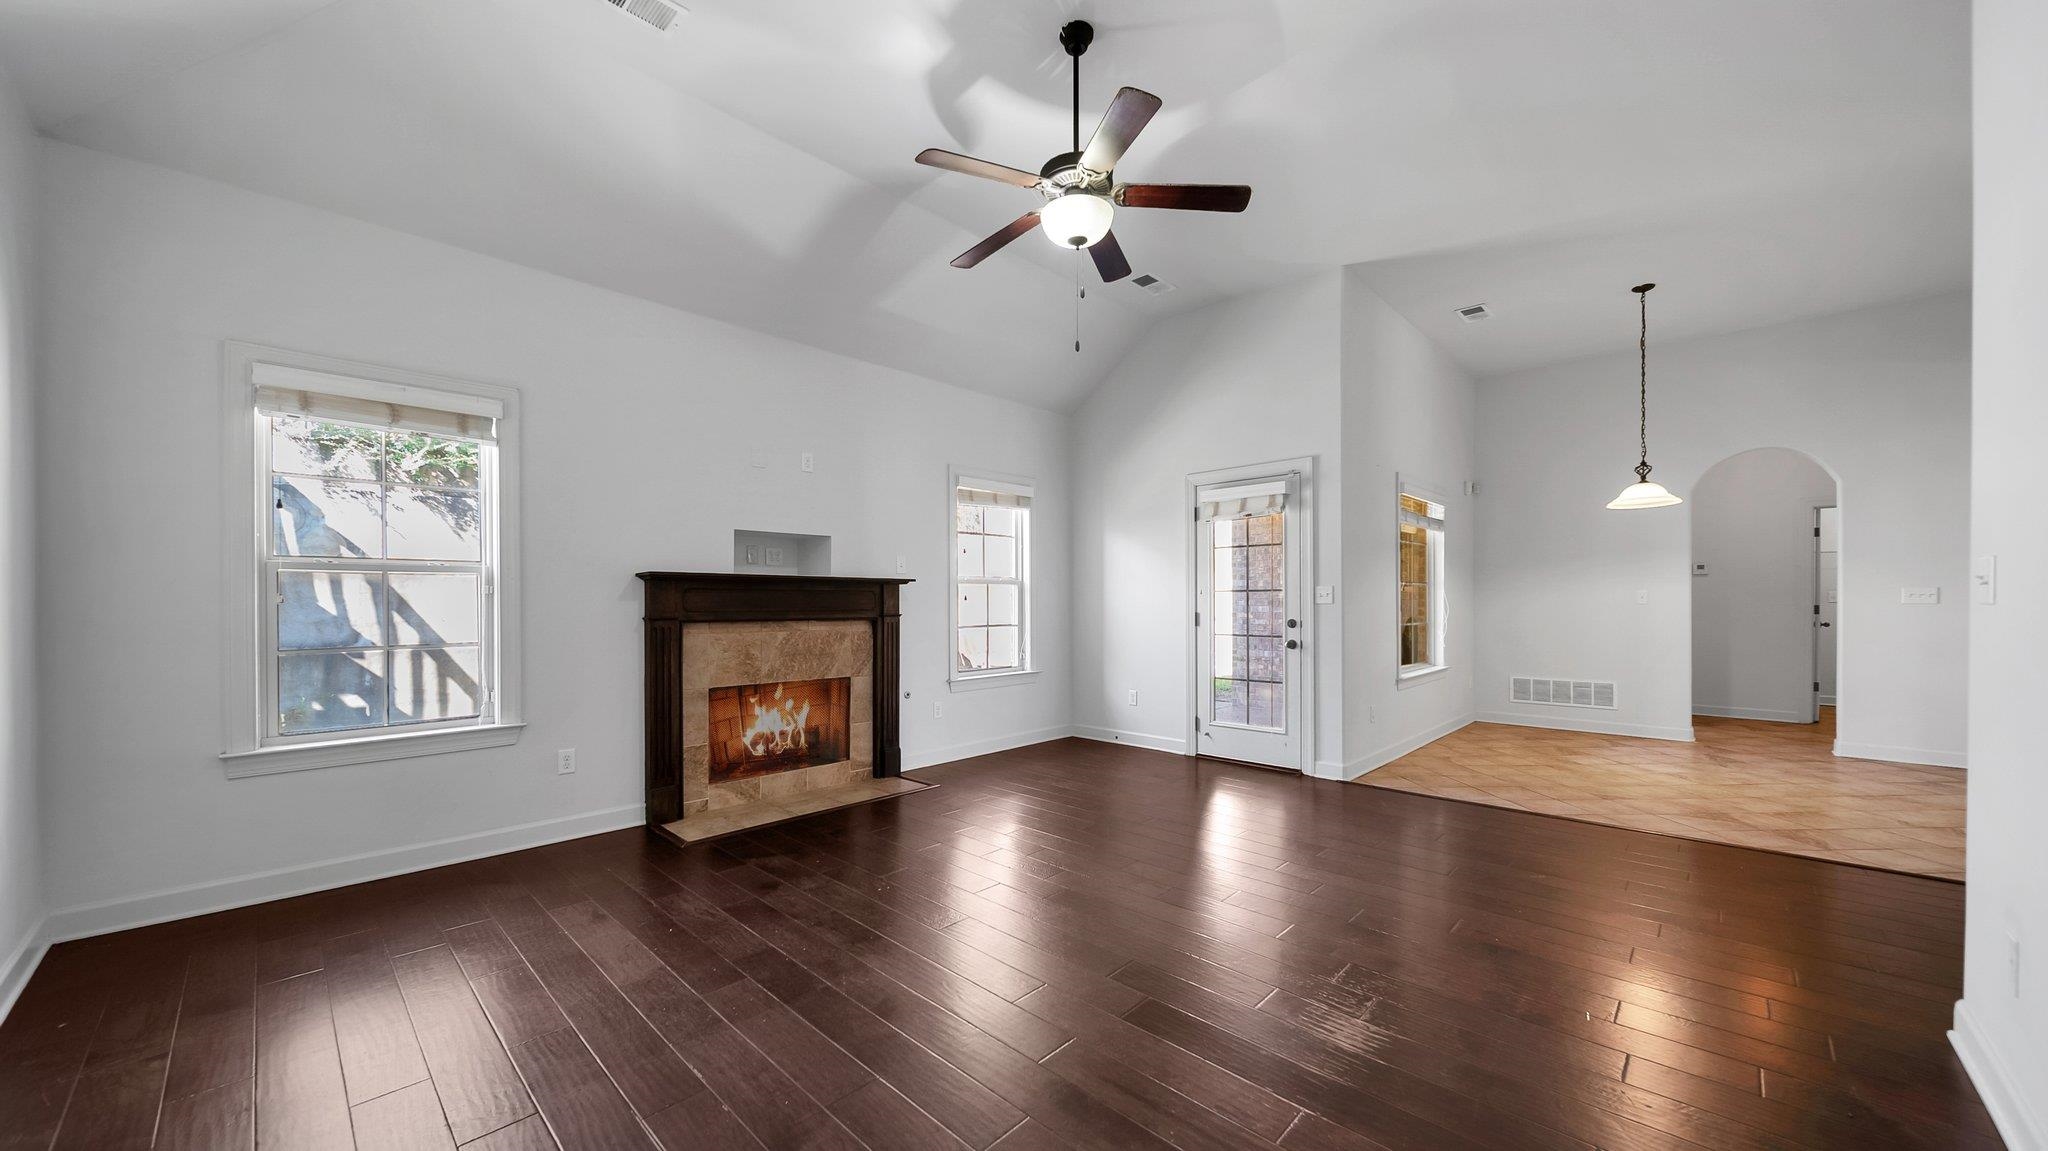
x: 582, y: 1105
x: 301, y: 1100
x: 215, y: 1040
x: 114, y: 1106
x: 379, y: 1053
x: 479, y: 1088
x: 408, y: 1119
x: 221, y: 1119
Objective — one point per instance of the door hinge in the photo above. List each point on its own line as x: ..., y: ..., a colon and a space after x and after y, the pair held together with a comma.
x: 1816, y: 533
x: 1816, y: 685
x: 1198, y: 723
x: 1816, y: 609
x: 1198, y: 619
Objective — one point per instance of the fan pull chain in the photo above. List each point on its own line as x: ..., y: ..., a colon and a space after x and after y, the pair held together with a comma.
x: 1080, y: 293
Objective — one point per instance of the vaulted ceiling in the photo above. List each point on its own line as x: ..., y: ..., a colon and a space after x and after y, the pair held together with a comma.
x: 1759, y: 159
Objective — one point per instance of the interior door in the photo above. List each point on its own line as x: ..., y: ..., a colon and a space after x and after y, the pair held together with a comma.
x: 1826, y: 629
x: 1249, y: 624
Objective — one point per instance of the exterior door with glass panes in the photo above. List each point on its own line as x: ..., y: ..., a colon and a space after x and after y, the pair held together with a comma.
x: 1249, y: 622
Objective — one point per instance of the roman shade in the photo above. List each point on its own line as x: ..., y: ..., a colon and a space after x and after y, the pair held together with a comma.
x: 1231, y: 501
x: 285, y: 391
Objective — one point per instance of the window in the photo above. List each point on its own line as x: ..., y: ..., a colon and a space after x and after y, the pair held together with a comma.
x: 376, y: 567
x: 991, y: 578
x: 1420, y: 539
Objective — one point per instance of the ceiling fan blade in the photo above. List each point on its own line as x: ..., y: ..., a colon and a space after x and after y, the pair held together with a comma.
x: 994, y: 244
x: 1128, y: 114
x: 1109, y: 258
x: 1186, y: 197
x: 969, y: 166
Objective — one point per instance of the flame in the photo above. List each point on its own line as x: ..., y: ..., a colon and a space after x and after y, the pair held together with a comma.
x: 778, y: 726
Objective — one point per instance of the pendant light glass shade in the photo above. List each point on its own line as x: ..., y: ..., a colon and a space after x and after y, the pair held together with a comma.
x: 1644, y: 493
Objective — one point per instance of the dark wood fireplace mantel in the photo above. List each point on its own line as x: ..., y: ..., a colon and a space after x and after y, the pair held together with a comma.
x: 674, y: 599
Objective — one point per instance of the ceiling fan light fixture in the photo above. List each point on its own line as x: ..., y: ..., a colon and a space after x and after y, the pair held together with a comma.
x: 1076, y: 219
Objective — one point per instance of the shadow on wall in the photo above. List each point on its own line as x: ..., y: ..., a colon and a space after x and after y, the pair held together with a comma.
x: 1756, y: 586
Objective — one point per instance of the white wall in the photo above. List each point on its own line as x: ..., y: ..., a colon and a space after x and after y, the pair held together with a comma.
x: 642, y: 429
x: 1753, y: 648
x: 1243, y: 382
x: 1408, y: 413
x: 2002, y: 1031
x: 1879, y: 396
x: 20, y: 839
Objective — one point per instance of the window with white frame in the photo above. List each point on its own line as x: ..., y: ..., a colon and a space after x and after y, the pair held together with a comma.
x: 991, y: 578
x: 1420, y: 567
x: 376, y: 562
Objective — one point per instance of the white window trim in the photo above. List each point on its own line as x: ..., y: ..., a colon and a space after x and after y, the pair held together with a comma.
x: 1407, y: 675
x: 956, y: 679
x: 246, y: 528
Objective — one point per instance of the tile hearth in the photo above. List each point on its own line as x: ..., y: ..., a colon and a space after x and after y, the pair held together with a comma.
x: 725, y: 820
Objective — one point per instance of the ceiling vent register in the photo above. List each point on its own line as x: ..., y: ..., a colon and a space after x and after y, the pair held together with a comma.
x: 1562, y: 692
x: 656, y: 14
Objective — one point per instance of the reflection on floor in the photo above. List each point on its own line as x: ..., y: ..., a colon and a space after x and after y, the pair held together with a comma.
x: 1775, y: 786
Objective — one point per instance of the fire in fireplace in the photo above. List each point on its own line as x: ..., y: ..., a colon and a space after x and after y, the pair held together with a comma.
x: 763, y: 728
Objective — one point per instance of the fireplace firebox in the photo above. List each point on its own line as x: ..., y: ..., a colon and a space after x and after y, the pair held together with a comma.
x: 763, y: 728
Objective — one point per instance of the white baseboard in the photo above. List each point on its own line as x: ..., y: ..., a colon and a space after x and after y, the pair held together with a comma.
x: 283, y: 883
x: 1593, y: 726
x: 912, y: 760
x: 2018, y: 1122
x: 1393, y: 751
x: 1827, y: 701
x: 1919, y: 755
x: 1768, y: 715
x: 1133, y: 739
x: 19, y: 965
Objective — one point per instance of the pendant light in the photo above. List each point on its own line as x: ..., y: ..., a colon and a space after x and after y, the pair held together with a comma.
x: 1643, y: 493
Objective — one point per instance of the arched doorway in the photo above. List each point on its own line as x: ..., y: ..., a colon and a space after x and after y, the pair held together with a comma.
x: 1766, y: 552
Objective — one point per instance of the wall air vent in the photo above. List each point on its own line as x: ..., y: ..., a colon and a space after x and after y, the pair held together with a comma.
x: 656, y: 14
x: 1152, y: 284
x: 1561, y: 692
x: 1474, y: 313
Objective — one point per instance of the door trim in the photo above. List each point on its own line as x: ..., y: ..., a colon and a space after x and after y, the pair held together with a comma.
x: 1301, y: 569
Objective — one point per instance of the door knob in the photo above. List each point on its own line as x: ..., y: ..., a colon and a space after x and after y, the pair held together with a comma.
x: 1823, y: 623
x: 1294, y: 623
x: 1292, y: 644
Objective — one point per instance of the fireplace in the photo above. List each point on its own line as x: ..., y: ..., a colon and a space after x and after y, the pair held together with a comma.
x: 764, y: 728
x: 767, y: 690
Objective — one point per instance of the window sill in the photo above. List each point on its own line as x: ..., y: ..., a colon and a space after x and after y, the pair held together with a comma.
x: 367, y: 749
x: 992, y: 679
x: 1409, y: 677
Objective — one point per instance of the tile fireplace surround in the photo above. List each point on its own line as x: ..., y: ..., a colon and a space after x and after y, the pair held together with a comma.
x: 791, y: 679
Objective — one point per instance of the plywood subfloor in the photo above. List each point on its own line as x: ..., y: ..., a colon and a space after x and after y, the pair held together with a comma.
x: 1775, y: 786
x: 1072, y: 945
x: 726, y: 820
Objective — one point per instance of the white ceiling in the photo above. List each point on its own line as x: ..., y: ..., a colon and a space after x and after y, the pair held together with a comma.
x: 1759, y: 159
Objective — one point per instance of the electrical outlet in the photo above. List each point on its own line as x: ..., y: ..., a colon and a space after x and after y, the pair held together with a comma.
x: 565, y: 761
x: 1372, y: 714
x: 902, y: 565
x: 1643, y: 595
x: 807, y: 462
x: 1920, y: 595
x: 1326, y: 594
x: 938, y: 710
x: 1984, y: 579
x: 774, y: 556
x: 1133, y: 701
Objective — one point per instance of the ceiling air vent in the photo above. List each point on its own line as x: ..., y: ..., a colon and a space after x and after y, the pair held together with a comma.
x: 1562, y: 692
x: 1474, y: 313
x: 1152, y: 284
x: 657, y: 14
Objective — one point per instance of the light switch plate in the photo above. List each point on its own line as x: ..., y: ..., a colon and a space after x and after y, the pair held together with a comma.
x: 1984, y: 579
x: 1919, y: 595
x: 1642, y: 595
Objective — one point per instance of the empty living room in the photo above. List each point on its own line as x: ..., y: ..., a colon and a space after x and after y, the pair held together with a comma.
x: 942, y: 575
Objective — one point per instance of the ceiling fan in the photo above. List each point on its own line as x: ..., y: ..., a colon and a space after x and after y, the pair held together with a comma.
x: 1080, y: 188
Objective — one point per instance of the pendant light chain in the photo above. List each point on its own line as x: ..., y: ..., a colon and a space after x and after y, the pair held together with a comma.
x: 1643, y: 389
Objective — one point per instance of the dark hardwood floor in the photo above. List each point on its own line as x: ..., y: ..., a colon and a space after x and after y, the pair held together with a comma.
x: 1071, y: 945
